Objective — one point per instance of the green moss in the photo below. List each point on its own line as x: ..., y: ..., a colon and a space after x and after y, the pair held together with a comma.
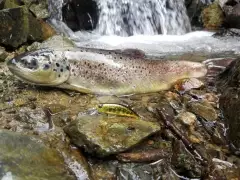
x: 212, y: 16
x: 11, y: 4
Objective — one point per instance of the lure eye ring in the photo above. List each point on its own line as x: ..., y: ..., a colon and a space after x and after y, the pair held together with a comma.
x: 46, y: 66
x: 100, y: 105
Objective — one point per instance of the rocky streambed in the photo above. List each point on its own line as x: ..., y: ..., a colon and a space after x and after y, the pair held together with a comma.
x: 48, y: 133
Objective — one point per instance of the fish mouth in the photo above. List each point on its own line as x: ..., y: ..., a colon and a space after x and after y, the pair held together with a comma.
x: 20, y: 72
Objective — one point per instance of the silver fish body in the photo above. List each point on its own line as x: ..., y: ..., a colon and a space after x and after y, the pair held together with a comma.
x: 101, y: 71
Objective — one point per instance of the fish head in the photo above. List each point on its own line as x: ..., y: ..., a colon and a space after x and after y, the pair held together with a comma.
x: 41, y: 67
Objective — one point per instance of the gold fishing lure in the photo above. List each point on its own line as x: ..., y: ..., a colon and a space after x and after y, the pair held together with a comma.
x: 116, y: 109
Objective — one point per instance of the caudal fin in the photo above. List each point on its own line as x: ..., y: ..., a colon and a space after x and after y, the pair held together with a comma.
x: 217, y: 65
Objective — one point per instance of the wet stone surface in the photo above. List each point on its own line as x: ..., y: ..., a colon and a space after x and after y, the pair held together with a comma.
x: 191, y: 142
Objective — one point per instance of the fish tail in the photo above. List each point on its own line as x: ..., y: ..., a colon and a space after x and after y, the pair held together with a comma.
x: 216, y: 66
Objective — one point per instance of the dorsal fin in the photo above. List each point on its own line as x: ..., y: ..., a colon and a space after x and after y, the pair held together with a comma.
x: 135, y: 53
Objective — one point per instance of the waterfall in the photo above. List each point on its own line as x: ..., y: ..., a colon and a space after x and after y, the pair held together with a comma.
x: 133, y: 17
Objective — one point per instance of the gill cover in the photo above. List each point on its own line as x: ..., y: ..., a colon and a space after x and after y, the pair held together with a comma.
x: 42, y: 67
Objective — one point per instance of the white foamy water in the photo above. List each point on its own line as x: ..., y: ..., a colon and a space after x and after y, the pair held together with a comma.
x: 148, y: 17
x: 198, y: 41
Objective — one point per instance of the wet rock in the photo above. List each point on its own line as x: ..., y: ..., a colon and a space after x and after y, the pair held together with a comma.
x: 156, y: 170
x: 212, y: 17
x: 187, y: 118
x: 231, y: 10
x: 184, y: 162
x: 194, y: 9
x: 203, y: 109
x: 80, y: 14
x: 14, y: 26
x: 39, y: 30
x: 233, y: 32
x: 105, y: 135
x: 25, y: 157
x: 103, y: 169
x: 19, y: 26
x: 56, y: 41
x: 3, y: 54
x: 38, y: 8
x: 228, y: 85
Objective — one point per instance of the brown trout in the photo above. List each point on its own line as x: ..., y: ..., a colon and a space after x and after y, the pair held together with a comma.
x: 101, y: 71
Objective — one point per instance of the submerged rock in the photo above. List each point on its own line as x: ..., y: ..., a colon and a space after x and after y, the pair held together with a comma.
x: 203, y: 109
x: 228, y: 85
x: 26, y: 158
x: 105, y: 135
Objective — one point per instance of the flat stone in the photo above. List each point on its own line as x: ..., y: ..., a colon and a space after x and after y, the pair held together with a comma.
x: 105, y: 135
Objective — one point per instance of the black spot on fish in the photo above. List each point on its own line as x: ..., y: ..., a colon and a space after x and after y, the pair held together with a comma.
x: 120, y: 57
x: 54, y: 70
x: 57, y: 64
x: 59, y: 75
x: 68, y: 68
x: 73, y: 70
x: 61, y: 70
x: 46, y: 66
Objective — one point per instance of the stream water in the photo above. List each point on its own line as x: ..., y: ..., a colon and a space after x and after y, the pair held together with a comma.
x: 158, y: 27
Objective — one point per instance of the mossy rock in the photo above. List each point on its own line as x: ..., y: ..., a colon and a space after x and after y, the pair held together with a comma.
x: 104, y: 135
x: 19, y: 26
x: 11, y: 4
x: 38, y: 8
x: 14, y: 26
x: 212, y: 17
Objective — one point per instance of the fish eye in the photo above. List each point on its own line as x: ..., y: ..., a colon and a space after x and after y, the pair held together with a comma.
x: 46, y: 66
